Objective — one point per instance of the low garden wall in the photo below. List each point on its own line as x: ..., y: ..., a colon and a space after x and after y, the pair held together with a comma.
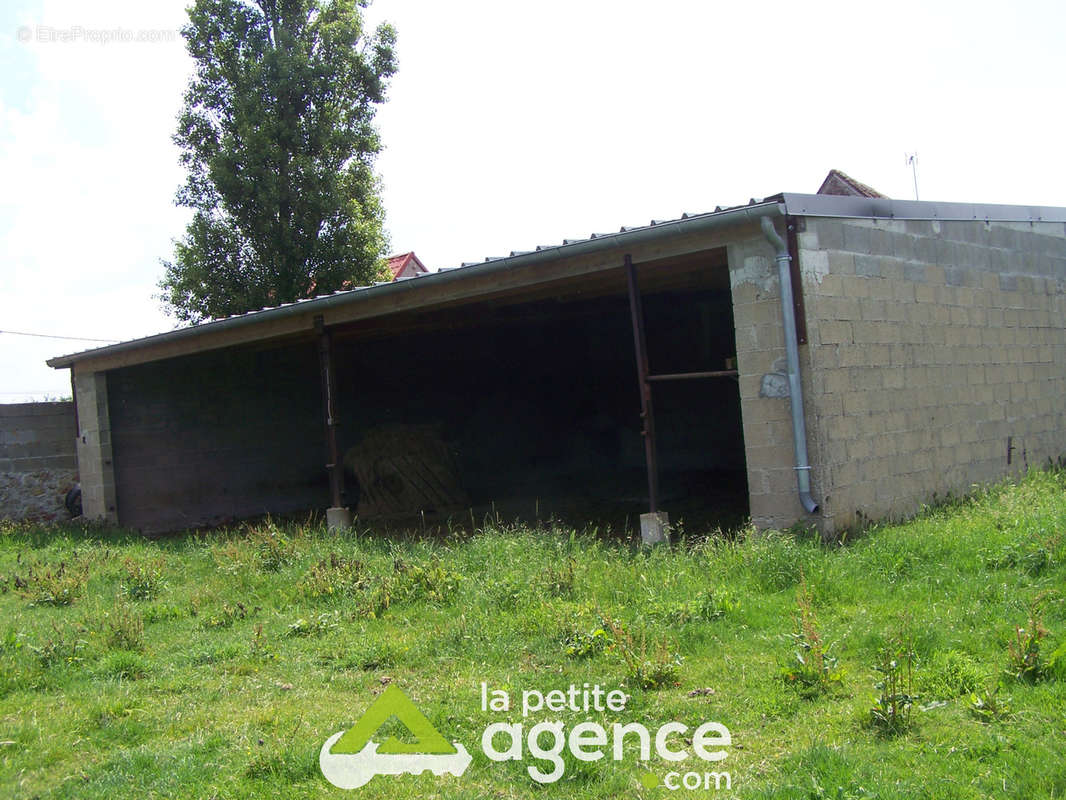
x: 38, y: 462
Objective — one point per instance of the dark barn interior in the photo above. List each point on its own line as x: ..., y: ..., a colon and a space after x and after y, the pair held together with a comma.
x: 535, y: 395
x: 537, y: 398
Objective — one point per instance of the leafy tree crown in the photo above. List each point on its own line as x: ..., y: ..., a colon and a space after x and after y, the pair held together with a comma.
x: 278, y: 141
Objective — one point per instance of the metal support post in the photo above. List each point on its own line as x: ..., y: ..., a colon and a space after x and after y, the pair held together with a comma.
x: 647, y: 412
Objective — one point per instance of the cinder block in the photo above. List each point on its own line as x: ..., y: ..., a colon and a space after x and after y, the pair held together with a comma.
x: 808, y: 239
x: 903, y: 292
x: 868, y: 266
x: 966, y: 296
x: 829, y: 232
x: 893, y: 379
x: 829, y: 286
x: 914, y: 272
x: 947, y: 254
x: 925, y: 294
x: 856, y: 403
x: 834, y: 332
x: 880, y: 289
x: 856, y: 286
x: 836, y: 453
x: 860, y: 449
x: 956, y: 231
x: 841, y: 263
x: 881, y: 242
x: 904, y: 246
x: 770, y: 336
x: 926, y: 250
x: 856, y: 237
x: 957, y: 276
x: 892, y: 268
x: 654, y: 529
x: 978, y: 261
x: 848, y: 308
x: 885, y: 445
x: 768, y: 458
x: 872, y: 310
x: 761, y: 410
x: 338, y: 519
x: 745, y: 337
x: 843, y: 428
x: 864, y: 332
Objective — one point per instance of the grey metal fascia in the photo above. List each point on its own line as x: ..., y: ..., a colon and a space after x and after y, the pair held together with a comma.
x: 823, y: 205
x: 692, y: 224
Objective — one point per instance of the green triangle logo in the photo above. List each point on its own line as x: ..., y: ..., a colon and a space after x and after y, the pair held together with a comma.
x: 394, y: 703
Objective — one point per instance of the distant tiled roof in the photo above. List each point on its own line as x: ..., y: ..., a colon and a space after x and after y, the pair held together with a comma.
x: 406, y: 265
x: 839, y: 183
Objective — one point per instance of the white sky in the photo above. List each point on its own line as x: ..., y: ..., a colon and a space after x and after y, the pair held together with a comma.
x: 515, y: 124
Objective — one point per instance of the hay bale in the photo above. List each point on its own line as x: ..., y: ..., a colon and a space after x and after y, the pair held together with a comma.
x: 403, y: 470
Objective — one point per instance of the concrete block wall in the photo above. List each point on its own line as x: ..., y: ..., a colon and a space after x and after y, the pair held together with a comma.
x: 937, y: 357
x: 37, y: 460
x: 767, y: 417
x: 204, y: 439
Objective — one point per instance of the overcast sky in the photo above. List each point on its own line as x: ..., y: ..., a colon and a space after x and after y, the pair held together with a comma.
x: 515, y: 124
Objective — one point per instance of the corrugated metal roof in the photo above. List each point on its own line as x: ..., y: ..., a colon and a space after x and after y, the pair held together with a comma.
x: 62, y: 361
x: 797, y: 204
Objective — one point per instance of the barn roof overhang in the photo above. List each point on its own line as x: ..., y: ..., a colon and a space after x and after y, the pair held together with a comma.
x: 521, y: 272
x: 515, y: 273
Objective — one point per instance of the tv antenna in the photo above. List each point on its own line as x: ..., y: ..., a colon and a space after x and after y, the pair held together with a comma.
x: 912, y: 162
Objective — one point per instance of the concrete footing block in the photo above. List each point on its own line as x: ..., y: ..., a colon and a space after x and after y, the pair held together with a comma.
x: 655, y: 528
x: 338, y: 519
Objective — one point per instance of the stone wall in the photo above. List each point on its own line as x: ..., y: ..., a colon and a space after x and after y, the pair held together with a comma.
x: 937, y: 357
x: 37, y: 460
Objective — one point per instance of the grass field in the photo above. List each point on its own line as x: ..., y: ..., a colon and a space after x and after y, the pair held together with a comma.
x: 216, y: 665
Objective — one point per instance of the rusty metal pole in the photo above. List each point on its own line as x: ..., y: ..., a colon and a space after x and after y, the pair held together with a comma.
x: 647, y: 413
x: 329, y: 392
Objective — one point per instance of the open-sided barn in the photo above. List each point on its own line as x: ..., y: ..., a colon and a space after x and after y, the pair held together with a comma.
x: 816, y: 358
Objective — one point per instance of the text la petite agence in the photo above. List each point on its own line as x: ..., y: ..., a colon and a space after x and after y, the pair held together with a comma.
x: 587, y: 741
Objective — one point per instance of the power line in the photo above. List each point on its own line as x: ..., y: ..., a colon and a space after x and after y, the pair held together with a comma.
x: 70, y: 338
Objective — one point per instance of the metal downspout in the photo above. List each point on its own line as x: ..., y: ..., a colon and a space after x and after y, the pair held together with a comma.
x: 788, y: 313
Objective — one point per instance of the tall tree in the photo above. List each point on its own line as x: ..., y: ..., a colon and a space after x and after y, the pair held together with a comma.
x: 278, y: 140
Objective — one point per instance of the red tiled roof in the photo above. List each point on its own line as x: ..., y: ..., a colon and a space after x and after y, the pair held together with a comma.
x: 406, y: 264
x: 397, y: 266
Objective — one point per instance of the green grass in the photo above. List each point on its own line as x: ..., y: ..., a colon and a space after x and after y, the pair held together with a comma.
x: 216, y: 665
